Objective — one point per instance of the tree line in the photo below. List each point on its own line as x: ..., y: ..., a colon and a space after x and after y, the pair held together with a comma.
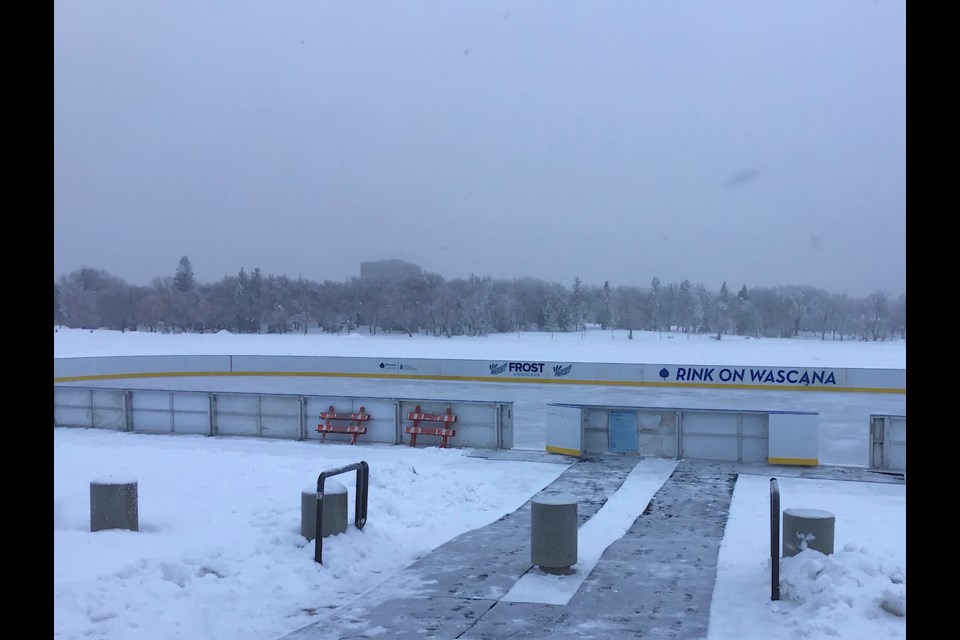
x: 426, y: 303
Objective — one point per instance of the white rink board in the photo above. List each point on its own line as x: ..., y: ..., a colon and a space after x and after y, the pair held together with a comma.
x: 543, y: 372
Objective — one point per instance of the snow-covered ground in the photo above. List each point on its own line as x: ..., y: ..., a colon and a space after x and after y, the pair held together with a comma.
x: 219, y: 555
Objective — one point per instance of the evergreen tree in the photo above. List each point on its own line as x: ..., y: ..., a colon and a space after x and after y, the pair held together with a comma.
x: 655, y: 303
x: 183, y: 280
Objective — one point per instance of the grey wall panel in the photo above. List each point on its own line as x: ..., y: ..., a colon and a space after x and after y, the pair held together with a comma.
x: 464, y: 368
x: 232, y: 424
x: 288, y: 406
x: 237, y: 414
x: 755, y: 425
x: 191, y: 413
x: 724, y: 435
x: 712, y: 422
x: 108, y: 409
x: 152, y: 421
x: 506, y: 425
x: 472, y: 426
x: 657, y: 433
x: 594, y: 431
x: 133, y: 365
x: 73, y: 417
x: 381, y: 427
x: 72, y: 396
x: 896, y: 443
x: 865, y: 378
x: 152, y: 411
x: 191, y: 402
x: 228, y: 403
x: 711, y: 447
x: 475, y: 425
x: 713, y: 434
x: 893, y: 379
x: 888, y: 442
x: 286, y: 427
x: 89, y: 408
x: 193, y: 422
x: 754, y: 449
x: 270, y: 415
x: 152, y: 400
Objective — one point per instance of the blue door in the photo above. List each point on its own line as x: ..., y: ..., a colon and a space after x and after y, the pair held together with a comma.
x: 622, y: 427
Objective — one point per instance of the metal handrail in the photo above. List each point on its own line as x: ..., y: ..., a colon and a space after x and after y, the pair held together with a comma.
x: 360, y: 510
x: 774, y: 539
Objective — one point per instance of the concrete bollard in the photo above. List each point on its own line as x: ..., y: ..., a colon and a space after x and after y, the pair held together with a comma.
x: 553, y: 533
x: 807, y: 529
x: 334, y: 510
x: 113, y: 505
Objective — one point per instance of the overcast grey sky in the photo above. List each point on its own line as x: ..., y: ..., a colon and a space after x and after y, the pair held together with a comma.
x: 756, y: 142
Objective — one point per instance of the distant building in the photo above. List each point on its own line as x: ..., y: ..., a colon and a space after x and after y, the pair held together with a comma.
x: 388, y: 269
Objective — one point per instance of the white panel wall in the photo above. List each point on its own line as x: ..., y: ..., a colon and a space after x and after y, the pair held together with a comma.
x: 713, y: 434
x: 563, y: 429
x: 89, y: 408
x: 191, y: 413
x: 152, y: 412
x: 794, y: 438
x: 237, y: 415
x: 888, y: 442
x: 480, y: 424
x: 382, y: 426
x: 544, y: 372
x: 137, y: 365
x: 657, y: 432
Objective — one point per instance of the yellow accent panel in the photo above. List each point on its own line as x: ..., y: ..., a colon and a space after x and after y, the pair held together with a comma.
x: 566, y: 452
x: 808, y: 462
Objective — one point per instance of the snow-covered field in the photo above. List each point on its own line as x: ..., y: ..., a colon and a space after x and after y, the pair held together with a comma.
x: 595, y: 345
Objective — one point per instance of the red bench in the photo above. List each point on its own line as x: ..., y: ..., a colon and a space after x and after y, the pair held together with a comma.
x: 350, y: 424
x: 444, y: 432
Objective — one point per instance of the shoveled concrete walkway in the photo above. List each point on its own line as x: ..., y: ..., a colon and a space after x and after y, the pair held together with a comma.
x: 654, y: 582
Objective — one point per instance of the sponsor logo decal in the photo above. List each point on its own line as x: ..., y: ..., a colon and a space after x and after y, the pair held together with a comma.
x: 559, y: 370
x: 397, y: 366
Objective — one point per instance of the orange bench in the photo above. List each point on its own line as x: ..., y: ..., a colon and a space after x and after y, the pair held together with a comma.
x: 333, y: 422
x: 444, y: 432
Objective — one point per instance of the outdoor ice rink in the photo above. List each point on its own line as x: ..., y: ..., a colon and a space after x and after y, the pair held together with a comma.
x: 844, y: 418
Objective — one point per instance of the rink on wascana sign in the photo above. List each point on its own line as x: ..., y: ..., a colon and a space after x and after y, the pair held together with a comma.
x: 750, y: 375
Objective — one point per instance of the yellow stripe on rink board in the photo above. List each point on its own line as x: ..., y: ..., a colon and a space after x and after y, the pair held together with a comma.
x: 807, y: 462
x: 567, y: 452
x: 336, y: 374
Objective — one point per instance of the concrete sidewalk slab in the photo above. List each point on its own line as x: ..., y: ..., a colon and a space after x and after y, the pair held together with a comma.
x: 657, y: 579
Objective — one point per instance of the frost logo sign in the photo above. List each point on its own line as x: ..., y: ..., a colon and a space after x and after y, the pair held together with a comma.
x: 559, y: 370
x: 518, y: 369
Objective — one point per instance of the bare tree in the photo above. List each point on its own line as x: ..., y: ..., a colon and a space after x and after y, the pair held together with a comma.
x: 877, y: 312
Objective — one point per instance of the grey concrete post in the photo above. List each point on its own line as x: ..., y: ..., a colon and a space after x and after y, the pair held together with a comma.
x: 334, y: 510
x: 114, y: 505
x: 807, y: 529
x: 553, y: 533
